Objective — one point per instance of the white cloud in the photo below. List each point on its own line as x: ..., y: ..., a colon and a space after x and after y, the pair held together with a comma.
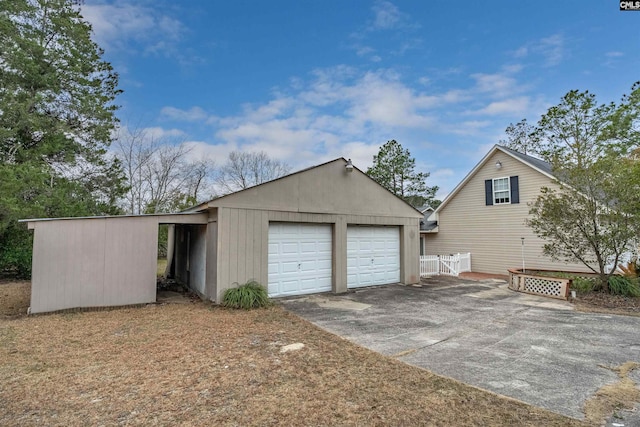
x: 521, y: 52
x: 338, y: 112
x: 614, y: 54
x: 364, y: 50
x: 117, y: 25
x: 343, y: 112
x: 388, y: 18
x: 442, y: 173
x: 513, y: 106
x: 552, y: 49
x: 193, y: 114
x: 159, y: 133
x: 496, y: 85
x: 469, y: 127
x: 387, y: 15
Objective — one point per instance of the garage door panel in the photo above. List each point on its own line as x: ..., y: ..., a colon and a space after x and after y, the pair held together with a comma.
x: 373, y: 256
x: 308, y: 247
x: 289, y: 248
x: 364, y: 262
x: 289, y: 267
x: 301, y: 258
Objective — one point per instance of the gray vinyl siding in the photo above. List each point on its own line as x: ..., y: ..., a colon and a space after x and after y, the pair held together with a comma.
x: 492, y: 234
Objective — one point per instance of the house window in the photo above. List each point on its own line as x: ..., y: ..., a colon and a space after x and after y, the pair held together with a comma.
x: 501, y: 191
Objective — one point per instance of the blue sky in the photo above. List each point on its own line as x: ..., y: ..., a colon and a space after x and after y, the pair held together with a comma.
x: 309, y: 81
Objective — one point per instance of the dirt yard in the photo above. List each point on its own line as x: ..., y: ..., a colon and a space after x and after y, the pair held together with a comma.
x: 195, y: 364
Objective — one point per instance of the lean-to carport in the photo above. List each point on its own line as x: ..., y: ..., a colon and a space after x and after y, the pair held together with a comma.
x: 97, y: 261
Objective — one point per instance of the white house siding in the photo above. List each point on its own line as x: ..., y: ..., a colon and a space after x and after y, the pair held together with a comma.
x: 492, y: 234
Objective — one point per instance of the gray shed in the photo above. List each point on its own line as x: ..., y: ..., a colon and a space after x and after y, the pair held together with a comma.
x: 326, y: 228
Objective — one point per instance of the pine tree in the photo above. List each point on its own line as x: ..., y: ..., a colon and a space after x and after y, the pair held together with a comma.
x: 394, y: 168
x: 56, y: 120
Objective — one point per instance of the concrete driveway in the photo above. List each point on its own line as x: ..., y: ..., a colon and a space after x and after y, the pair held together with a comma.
x: 534, y: 349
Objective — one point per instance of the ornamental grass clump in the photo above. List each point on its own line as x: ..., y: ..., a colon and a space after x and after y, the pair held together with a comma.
x: 621, y: 285
x: 247, y: 296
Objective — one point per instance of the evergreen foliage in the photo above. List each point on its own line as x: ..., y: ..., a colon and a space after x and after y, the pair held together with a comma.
x: 56, y: 120
x: 394, y: 169
x: 592, y: 216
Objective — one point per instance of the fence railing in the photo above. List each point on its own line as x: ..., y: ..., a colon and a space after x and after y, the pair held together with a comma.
x: 449, y: 265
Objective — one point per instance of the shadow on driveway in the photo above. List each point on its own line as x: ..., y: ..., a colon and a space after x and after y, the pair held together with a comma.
x: 534, y: 349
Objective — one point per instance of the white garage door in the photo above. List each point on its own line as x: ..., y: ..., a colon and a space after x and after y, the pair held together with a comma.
x: 373, y: 256
x: 299, y: 258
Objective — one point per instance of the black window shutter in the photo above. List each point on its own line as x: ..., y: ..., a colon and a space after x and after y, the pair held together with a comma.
x: 488, y: 192
x: 515, y: 191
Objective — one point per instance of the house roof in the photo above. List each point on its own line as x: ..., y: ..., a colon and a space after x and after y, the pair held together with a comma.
x: 530, y: 160
x: 428, y: 225
x: 533, y: 162
x: 205, y: 205
x: 425, y: 208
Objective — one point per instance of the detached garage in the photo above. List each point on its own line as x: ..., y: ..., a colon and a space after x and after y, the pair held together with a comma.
x: 326, y: 228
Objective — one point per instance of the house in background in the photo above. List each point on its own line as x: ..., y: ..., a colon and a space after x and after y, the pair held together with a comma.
x: 426, y: 226
x: 324, y: 229
x: 485, y: 215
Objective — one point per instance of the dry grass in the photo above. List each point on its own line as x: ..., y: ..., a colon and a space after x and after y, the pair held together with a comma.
x: 196, y: 364
x: 623, y: 394
x: 14, y: 298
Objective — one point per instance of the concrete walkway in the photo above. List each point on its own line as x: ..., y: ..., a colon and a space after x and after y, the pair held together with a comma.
x: 534, y: 349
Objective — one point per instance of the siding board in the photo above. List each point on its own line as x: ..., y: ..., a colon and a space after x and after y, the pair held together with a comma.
x: 94, y: 262
x: 493, y: 233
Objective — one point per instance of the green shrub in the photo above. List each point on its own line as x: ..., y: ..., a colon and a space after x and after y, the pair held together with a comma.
x: 583, y: 284
x: 250, y: 295
x: 621, y: 285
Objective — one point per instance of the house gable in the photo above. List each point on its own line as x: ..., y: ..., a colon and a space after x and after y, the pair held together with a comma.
x: 506, y: 157
x: 327, y: 188
x: 495, y: 234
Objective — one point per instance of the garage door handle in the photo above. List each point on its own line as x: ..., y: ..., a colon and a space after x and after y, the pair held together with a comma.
x: 299, y: 266
x: 371, y: 260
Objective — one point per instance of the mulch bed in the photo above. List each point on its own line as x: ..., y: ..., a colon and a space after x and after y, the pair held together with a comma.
x: 600, y: 302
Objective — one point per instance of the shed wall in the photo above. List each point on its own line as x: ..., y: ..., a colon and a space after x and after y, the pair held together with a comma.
x: 492, y: 234
x: 93, y: 262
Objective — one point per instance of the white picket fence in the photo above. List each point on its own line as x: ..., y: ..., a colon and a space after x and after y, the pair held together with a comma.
x: 448, y: 265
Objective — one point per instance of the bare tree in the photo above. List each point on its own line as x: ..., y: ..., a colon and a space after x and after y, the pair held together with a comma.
x: 161, y: 176
x: 243, y: 170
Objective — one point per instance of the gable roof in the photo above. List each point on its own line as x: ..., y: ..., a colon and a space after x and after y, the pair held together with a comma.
x: 214, y: 202
x: 533, y: 162
x: 425, y: 208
